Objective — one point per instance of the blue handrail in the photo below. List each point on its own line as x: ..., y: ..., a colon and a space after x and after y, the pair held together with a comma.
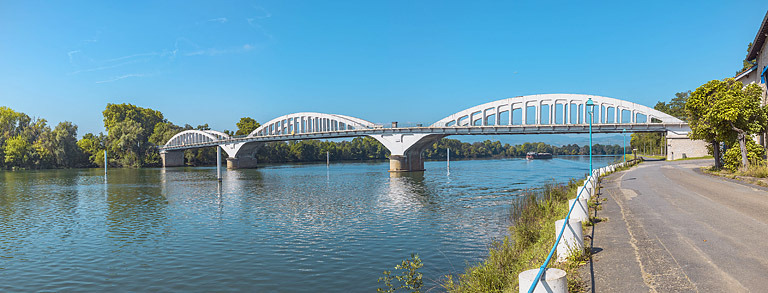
x: 559, y: 235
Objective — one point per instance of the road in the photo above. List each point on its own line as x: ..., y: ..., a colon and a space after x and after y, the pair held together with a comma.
x: 669, y: 228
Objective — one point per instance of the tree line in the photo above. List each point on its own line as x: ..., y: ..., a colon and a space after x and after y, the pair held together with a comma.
x: 134, y: 133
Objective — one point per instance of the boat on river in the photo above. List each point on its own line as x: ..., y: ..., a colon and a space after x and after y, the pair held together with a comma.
x: 535, y: 155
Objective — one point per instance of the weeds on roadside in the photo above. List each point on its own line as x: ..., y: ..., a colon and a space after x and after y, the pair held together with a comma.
x: 757, y: 170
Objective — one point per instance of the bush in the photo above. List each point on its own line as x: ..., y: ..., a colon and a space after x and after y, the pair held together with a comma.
x: 732, y: 158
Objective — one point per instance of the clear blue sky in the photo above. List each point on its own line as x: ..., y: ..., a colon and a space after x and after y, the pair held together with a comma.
x: 408, y: 61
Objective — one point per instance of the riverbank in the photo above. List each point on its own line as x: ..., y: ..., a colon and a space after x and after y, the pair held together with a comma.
x: 528, y: 243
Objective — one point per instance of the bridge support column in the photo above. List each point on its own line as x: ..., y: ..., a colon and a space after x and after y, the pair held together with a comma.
x: 244, y: 162
x: 172, y: 159
x: 405, y: 150
x: 411, y: 163
x: 241, y: 155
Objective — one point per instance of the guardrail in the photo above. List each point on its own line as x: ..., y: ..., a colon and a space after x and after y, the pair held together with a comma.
x: 556, y: 280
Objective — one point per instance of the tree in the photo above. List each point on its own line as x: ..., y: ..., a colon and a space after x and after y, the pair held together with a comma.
x: 66, y: 153
x: 147, y: 118
x: 246, y: 126
x: 17, y: 151
x: 726, y: 111
x: 142, y: 152
x: 163, y: 132
x: 127, y: 142
x: 747, y: 64
x: 93, y: 147
x: 676, y: 107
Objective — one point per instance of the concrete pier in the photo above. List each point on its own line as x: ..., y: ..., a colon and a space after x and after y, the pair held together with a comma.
x: 412, y: 163
x: 172, y: 159
x: 244, y: 162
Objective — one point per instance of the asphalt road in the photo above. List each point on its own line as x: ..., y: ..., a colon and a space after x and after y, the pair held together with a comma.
x: 670, y: 228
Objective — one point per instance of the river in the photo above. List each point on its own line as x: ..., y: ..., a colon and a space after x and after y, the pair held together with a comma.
x: 296, y: 228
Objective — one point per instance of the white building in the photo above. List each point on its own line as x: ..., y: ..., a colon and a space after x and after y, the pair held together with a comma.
x: 758, y: 74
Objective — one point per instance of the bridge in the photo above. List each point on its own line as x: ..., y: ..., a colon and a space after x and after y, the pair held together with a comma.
x: 534, y: 114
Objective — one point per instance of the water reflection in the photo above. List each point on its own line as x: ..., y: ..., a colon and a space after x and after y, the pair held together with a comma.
x: 136, y: 207
x: 306, y: 228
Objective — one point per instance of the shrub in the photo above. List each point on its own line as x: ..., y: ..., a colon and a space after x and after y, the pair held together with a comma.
x: 755, y: 154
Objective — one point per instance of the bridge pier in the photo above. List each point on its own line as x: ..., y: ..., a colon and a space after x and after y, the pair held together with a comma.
x: 405, y: 150
x: 172, y: 158
x: 413, y: 163
x: 244, y: 162
x: 241, y: 155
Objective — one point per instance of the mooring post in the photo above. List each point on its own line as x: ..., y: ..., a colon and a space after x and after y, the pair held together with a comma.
x: 327, y: 159
x: 449, y: 158
x: 105, y: 165
x: 218, y: 163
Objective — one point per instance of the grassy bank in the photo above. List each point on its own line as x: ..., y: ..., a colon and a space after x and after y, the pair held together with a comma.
x: 530, y: 240
x: 527, y: 246
x: 756, y: 174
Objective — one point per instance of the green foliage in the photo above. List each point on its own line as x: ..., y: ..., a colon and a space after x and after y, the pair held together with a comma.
x: 246, y: 126
x: 726, y: 111
x: 147, y: 118
x: 17, y: 151
x: 127, y: 142
x: 408, y: 279
x: 163, y: 132
x: 66, y: 153
x: 647, y: 143
x: 747, y: 64
x: 732, y: 158
x: 676, y: 107
x: 31, y: 143
x: 132, y: 134
x: 93, y: 148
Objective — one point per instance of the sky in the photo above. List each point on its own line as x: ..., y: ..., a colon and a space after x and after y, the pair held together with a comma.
x: 409, y: 61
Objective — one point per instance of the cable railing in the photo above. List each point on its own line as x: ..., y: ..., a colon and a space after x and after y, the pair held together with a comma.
x: 591, y: 181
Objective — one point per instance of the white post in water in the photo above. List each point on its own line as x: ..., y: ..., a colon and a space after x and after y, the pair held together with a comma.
x: 218, y: 163
x: 105, y: 165
x: 552, y: 280
x: 327, y: 159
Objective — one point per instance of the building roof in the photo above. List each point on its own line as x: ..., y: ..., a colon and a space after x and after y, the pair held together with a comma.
x: 745, y: 72
x: 759, y: 39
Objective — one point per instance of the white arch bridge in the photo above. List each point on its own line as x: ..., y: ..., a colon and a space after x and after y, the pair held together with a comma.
x: 535, y: 114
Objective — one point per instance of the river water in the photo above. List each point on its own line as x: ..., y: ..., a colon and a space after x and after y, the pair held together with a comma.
x: 305, y: 228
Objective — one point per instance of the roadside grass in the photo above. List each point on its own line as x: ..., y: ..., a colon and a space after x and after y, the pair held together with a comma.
x: 658, y: 157
x: 527, y: 246
x: 695, y: 158
x: 756, y: 174
x: 759, y: 170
